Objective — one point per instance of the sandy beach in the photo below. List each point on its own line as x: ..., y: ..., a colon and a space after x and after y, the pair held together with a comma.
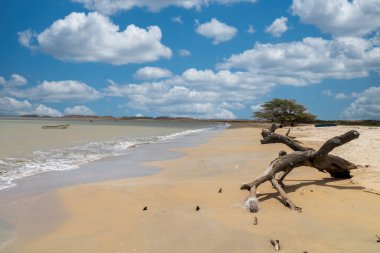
x: 337, y: 216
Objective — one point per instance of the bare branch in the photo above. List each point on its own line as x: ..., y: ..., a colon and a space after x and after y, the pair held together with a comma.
x: 285, y: 163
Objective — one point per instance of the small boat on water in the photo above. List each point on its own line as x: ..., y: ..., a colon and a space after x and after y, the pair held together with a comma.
x: 326, y: 125
x: 56, y: 127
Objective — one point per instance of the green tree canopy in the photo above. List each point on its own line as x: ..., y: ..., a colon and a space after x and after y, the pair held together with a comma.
x: 284, y: 111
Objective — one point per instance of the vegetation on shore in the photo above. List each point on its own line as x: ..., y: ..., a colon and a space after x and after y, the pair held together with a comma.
x: 285, y: 112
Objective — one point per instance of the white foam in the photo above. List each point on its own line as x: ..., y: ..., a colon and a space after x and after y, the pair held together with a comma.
x: 13, y: 169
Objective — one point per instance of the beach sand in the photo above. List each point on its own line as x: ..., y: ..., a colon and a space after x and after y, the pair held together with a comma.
x: 363, y: 151
x: 337, y: 216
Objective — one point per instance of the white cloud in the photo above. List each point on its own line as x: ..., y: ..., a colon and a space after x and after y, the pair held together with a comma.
x: 184, y: 53
x: 94, y: 38
x: 58, y: 91
x: 14, y: 81
x: 338, y: 96
x: 366, y: 106
x: 256, y: 108
x: 327, y: 93
x: 341, y: 96
x: 278, y: 27
x: 12, y: 107
x: 79, y: 110
x: 43, y: 110
x: 18, y: 80
x: 27, y: 39
x: 216, y: 30
x: 159, y: 98
x: 152, y: 73
x: 195, y: 93
x: 251, y: 29
x: 177, y: 19
x: 340, y: 17
x: 310, y: 60
x: 113, y: 6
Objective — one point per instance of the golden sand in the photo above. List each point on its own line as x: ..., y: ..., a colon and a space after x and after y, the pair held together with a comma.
x: 338, y: 216
x: 364, y: 151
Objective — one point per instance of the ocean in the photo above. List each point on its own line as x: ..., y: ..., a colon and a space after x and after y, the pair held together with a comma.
x: 26, y: 149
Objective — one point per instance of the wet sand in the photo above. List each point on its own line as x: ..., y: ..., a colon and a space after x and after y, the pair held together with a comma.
x: 338, y: 216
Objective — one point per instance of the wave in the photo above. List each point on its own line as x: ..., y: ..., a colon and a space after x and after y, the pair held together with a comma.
x: 13, y: 169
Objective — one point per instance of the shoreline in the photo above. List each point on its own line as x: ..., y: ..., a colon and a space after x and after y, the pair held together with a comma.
x: 29, y: 150
x: 20, y: 212
x: 108, y: 216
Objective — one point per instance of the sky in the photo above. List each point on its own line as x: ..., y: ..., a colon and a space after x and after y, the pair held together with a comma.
x: 216, y: 59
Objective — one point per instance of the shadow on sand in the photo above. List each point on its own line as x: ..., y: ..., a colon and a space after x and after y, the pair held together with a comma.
x: 320, y: 182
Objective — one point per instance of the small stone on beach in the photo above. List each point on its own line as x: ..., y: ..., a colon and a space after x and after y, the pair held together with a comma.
x: 220, y: 190
x: 145, y: 208
x: 197, y: 209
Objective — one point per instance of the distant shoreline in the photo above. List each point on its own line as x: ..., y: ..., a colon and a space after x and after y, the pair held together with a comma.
x: 369, y: 122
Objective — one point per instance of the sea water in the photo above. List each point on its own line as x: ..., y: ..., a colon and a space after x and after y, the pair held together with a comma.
x: 26, y: 149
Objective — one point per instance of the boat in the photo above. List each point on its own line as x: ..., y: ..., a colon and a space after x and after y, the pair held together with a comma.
x: 326, y: 125
x: 56, y: 127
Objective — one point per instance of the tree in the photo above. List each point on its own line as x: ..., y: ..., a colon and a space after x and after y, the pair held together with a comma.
x: 284, y: 111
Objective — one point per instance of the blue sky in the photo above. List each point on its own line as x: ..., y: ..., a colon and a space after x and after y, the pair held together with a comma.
x: 193, y: 58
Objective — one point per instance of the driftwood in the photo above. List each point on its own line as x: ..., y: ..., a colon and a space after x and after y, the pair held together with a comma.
x: 320, y: 159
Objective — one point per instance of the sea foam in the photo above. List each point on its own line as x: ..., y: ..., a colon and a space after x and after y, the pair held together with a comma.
x: 13, y: 169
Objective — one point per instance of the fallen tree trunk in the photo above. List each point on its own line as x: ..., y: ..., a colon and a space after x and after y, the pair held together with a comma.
x: 336, y: 166
x: 285, y: 163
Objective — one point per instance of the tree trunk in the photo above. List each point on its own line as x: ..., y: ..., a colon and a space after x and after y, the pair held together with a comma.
x: 285, y: 163
x: 336, y: 166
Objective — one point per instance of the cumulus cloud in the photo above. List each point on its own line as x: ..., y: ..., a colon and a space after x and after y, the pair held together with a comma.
x: 94, y: 38
x: 366, y: 105
x: 79, y: 110
x: 195, y: 93
x: 160, y: 98
x: 43, y: 110
x: 112, y: 6
x: 184, y: 53
x: 12, y: 107
x: 278, y: 27
x: 310, y: 60
x: 58, y: 91
x: 216, y: 30
x: 152, y: 73
x: 340, y: 17
x: 14, y: 81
